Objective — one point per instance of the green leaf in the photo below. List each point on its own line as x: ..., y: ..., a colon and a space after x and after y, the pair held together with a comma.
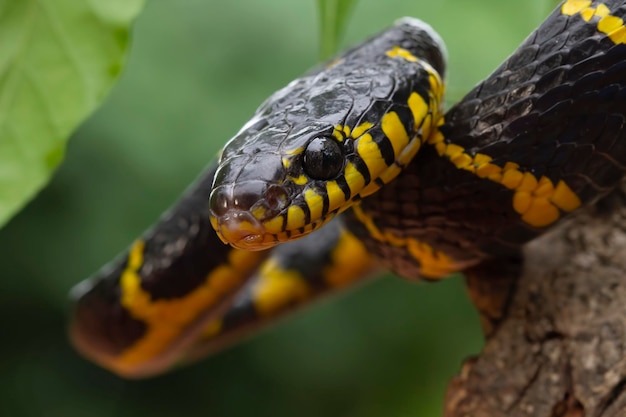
x: 58, y: 60
x: 333, y: 18
x: 543, y: 8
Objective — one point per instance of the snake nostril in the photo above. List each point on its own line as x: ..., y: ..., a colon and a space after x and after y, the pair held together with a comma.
x: 219, y: 201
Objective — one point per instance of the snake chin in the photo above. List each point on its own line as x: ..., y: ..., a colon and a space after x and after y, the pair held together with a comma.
x: 241, y: 230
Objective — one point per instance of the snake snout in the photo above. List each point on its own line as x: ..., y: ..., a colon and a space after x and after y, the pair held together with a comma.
x: 240, y: 210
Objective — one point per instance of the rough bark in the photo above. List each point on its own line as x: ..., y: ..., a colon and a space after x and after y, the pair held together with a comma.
x: 556, y: 342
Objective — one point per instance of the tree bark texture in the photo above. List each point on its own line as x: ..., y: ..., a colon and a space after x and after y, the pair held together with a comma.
x: 556, y: 335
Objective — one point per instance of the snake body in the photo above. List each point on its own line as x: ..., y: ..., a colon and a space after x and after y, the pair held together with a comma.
x: 541, y: 136
x: 360, y: 145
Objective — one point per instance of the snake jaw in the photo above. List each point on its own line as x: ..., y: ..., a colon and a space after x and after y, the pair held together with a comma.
x: 240, y: 229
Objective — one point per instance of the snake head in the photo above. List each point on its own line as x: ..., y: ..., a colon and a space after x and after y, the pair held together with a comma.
x: 329, y: 139
x: 262, y: 196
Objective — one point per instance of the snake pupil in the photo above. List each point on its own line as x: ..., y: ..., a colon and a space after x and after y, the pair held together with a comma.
x: 323, y: 158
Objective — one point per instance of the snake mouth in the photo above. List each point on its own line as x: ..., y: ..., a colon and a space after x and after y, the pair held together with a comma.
x: 241, y: 230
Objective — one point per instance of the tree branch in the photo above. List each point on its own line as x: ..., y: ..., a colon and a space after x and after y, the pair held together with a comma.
x: 557, y: 336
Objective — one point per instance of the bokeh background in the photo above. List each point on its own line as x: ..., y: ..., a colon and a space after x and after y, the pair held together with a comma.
x: 196, y: 72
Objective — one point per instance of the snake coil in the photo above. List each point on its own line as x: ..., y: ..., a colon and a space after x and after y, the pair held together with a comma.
x: 362, y: 146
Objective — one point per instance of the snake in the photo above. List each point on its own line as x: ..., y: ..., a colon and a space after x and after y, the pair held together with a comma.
x: 354, y: 168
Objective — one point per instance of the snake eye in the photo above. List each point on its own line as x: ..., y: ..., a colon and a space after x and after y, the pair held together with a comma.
x: 323, y: 158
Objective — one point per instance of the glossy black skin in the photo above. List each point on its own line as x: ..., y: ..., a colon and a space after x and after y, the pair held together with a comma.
x: 556, y: 106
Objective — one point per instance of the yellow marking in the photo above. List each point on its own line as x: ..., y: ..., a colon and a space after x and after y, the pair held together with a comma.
x: 512, y: 178
x: 528, y: 184
x: 452, y: 151
x: 602, y: 10
x: 587, y: 13
x: 609, y: 23
x: 295, y: 151
x: 522, y: 201
x: 394, y: 129
x: 286, y: 162
x: 495, y: 177
x: 165, y: 320
x: 462, y: 160
x: 135, y: 255
x: 418, y: 108
x: 433, y: 263
x: 487, y: 170
x: 564, y: 198
x: 386, y: 177
x: 544, y: 188
x: 427, y: 124
x: 612, y: 26
x: 275, y: 225
x: 369, y: 152
x: 341, y: 132
x: 358, y: 131
x: 437, y: 86
x: 299, y: 228
x: 541, y: 212
x: 338, y: 134
x: 618, y: 36
x: 437, y: 137
x: 336, y: 197
x: 355, y: 180
x: 350, y: 261
x: 277, y: 288
x: 396, y: 51
x: 301, y: 180
x: 509, y: 166
x: 259, y: 212
x: 295, y: 217
x: 571, y: 7
x: 370, y: 189
x: 437, y: 140
x: 315, y: 202
x: 407, y: 154
x: 537, y: 200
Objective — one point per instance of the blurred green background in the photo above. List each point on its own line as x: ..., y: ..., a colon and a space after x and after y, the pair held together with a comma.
x: 196, y: 72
